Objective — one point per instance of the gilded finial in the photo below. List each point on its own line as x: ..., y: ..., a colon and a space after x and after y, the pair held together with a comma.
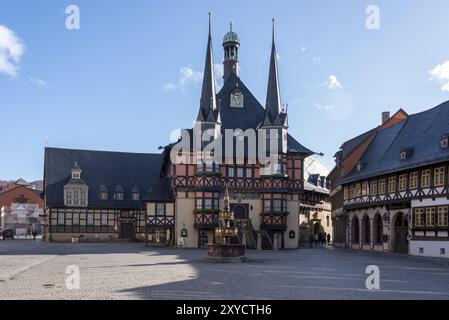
x: 226, y: 200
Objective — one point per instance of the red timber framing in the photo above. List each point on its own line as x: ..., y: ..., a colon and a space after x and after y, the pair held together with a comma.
x: 206, y: 209
x: 240, y: 178
x: 355, y: 198
x: 274, y: 215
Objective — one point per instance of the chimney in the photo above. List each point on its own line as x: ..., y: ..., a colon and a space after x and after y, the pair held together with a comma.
x: 385, y: 116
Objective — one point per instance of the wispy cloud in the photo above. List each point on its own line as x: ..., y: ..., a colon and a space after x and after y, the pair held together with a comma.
x: 11, y: 51
x: 38, y: 82
x: 187, y: 76
x: 191, y: 77
x: 332, y: 83
x: 441, y: 73
x: 316, y: 59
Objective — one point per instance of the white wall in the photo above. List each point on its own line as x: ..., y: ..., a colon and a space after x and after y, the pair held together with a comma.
x: 431, y: 248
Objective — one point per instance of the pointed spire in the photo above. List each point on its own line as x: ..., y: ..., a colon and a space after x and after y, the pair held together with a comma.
x: 207, y: 101
x: 273, y: 104
x: 219, y: 111
x: 266, y: 121
x: 211, y: 116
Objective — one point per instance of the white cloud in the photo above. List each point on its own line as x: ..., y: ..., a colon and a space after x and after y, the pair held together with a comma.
x: 38, y: 82
x: 188, y: 76
x: 303, y: 49
x: 441, y: 73
x: 333, y: 83
x: 314, y: 166
x: 317, y: 59
x: 11, y: 51
x: 218, y: 69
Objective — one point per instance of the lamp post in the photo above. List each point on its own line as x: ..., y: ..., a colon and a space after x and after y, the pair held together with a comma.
x: 386, y: 218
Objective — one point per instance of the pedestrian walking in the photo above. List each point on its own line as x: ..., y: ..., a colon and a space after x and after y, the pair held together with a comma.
x: 328, y: 239
x: 316, y: 239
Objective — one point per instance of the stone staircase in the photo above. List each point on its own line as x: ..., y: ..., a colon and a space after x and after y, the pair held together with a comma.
x: 267, y: 243
x: 246, y: 228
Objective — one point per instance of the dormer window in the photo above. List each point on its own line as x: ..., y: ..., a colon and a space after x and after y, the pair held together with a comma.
x: 119, y: 196
x: 444, y: 142
x: 403, y: 155
x: 103, y: 192
x: 135, y: 193
x: 360, y: 166
x: 406, y: 153
x: 136, y: 196
x: 119, y: 193
x: 76, y: 190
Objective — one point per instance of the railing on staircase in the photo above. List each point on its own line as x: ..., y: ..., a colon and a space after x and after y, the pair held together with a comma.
x: 267, y: 243
x: 246, y: 228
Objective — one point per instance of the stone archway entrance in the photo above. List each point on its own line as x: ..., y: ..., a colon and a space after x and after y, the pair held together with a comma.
x: 240, y: 211
x: 400, y: 231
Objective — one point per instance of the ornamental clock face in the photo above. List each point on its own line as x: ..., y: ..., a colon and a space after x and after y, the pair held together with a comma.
x: 237, y: 100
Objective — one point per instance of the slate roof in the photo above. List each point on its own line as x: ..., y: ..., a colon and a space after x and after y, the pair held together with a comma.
x: 421, y: 132
x: 250, y: 116
x: 102, y: 170
x: 312, y: 187
x: 160, y: 192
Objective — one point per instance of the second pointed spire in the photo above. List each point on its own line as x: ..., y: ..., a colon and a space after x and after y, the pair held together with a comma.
x: 208, y: 99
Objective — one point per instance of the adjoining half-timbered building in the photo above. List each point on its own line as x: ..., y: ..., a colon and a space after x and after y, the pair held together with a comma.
x: 93, y: 195
x: 395, y: 184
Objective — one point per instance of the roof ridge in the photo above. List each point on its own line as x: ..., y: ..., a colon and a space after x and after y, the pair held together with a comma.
x: 103, y: 151
x: 397, y: 135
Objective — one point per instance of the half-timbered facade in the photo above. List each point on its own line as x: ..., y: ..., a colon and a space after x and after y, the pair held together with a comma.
x: 396, y: 191
x: 177, y: 202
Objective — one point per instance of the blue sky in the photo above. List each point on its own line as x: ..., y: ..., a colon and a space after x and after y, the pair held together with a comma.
x: 116, y: 84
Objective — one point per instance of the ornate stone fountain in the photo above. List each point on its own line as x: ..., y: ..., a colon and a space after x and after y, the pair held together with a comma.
x: 223, y: 250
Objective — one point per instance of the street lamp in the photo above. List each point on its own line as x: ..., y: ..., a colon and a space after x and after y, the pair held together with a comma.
x: 386, y: 219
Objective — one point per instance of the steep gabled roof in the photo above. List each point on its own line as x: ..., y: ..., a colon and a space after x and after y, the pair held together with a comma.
x: 420, y: 132
x: 101, y: 171
x: 251, y: 116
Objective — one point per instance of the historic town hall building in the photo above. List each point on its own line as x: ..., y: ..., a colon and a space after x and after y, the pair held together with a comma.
x: 390, y: 186
x: 103, y: 196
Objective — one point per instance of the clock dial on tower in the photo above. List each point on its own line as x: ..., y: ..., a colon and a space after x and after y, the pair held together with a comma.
x: 236, y: 100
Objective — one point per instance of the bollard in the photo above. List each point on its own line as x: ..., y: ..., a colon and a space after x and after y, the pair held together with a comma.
x: 259, y: 242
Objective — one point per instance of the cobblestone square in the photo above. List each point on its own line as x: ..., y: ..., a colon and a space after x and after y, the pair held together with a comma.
x: 36, y: 270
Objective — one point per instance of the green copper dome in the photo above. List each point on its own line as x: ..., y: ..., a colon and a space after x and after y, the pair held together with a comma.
x: 231, y: 36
